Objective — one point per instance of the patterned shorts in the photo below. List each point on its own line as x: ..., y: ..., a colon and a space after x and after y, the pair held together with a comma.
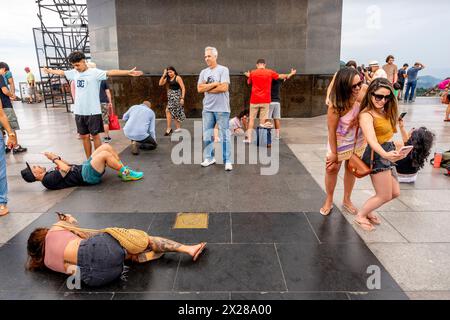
x: 174, y: 106
x: 105, y: 113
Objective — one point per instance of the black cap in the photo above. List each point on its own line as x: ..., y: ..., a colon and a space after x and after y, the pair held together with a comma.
x: 27, y: 174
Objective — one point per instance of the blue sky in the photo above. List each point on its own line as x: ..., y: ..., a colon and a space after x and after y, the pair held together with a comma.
x: 410, y: 30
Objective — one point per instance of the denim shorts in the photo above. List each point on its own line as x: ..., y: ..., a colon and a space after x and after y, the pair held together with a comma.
x: 101, y: 260
x: 380, y: 164
x: 89, y: 174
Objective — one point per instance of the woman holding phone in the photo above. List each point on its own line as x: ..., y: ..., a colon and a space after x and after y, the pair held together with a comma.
x: 378, y: 120
x: 344, y: 97
x: 175, y: 98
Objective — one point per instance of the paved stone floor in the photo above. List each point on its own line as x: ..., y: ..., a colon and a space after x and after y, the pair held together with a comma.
x: 266, y: 238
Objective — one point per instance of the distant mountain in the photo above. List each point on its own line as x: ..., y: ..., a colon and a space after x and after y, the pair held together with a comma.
x: 427, y: 82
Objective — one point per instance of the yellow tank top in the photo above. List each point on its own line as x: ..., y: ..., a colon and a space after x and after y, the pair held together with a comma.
x: 383, y: 129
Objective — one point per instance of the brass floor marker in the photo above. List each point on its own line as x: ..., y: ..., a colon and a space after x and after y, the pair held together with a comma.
x: 195, y: 220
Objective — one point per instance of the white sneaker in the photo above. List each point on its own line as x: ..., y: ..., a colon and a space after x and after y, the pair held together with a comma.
x: 246, y: 141
x: 228, y: 167
x: 177, y: 130
x: 207, y: 162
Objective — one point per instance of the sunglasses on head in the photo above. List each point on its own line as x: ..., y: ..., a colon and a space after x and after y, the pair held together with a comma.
x: 379, y: 97
x: 358, y: 85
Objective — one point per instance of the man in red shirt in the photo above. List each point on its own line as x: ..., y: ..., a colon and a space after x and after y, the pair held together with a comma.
x: 261, y: 81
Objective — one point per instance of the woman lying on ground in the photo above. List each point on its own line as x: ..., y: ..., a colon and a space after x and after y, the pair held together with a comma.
x: 99, y: 257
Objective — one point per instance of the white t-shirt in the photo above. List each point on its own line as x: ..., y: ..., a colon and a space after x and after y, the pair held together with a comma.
x: 87, y: 84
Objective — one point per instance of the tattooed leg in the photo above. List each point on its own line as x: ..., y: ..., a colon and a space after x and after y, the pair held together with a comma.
x: 165, y: 245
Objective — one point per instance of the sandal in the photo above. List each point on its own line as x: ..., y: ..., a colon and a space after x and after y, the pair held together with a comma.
x: 3, y: 210
x: 352, y: 210
x: 326, y: 212
x: 366, y: 226
x: 199, y: 251
x: 374, y: 220
x: 168, y: 133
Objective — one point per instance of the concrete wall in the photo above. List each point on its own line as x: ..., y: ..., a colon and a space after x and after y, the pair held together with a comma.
x: 103, y: 33
x: 152, y: 34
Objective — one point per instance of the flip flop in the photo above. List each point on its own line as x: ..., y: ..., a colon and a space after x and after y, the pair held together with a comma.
x: 375, y: 220
x: 365, y: 226
x: 326, y: 212
x: 353, y: 211
x: 199, y: 251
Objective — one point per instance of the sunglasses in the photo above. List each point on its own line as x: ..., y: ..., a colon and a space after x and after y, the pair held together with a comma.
x: 379, y: 97
x: 358, y: 85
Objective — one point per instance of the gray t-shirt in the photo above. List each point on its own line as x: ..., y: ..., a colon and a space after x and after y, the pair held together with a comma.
x: 215, y: 102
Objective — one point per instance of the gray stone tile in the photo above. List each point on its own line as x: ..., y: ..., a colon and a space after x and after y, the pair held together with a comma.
x: 232, y: 268
x: 421, y: 226
x: 14, y: 223
x: 416, y: 267
x: 172, y: 296
x: 429, y: 295
x: 426, y: 200
x: 289, y: 296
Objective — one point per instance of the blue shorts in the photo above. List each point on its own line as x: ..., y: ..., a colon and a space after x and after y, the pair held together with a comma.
x: 89, y: 174
x: 101, y: 260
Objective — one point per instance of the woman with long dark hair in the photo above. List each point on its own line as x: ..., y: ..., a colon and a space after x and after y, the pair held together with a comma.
x: 175, y: 98
x: 98, y: 257
x: 378, y: 120
x: 422, y: 140
x: 344, y: 97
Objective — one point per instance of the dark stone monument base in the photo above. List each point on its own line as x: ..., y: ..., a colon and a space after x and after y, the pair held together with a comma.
x: 303, y: 96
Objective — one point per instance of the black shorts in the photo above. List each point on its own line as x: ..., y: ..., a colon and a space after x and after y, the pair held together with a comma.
x: 92, y: 124
x: 402, y: 85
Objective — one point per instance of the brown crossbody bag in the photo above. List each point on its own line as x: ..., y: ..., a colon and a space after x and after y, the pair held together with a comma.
x: 356, y: 166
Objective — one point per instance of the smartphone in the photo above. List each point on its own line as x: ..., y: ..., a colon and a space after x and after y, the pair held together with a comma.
x: 61, y: 216
x: 406, y: 150
x: 403, y: 115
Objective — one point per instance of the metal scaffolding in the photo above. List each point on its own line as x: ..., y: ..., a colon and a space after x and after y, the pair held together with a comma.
x: 54, y: 44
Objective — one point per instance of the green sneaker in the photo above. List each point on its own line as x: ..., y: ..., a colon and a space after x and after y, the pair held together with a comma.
x: 119, y: 173
x: 129, y: 175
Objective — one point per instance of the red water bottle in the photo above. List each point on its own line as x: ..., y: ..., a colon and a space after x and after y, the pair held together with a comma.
x: 437, y: 159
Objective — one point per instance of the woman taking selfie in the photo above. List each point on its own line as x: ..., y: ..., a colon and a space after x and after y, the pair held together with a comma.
x: 378, y: 120
x: 345, y: 94
x: 175, y: 98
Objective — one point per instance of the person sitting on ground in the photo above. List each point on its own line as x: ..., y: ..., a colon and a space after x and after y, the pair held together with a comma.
x: 140, y: 127
x: 422, y: 140
x: 97, y: 258
x: 239, y: 124
x: 90, y: 172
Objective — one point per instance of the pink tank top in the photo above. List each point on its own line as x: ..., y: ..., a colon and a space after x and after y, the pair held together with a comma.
x: 55, y: 244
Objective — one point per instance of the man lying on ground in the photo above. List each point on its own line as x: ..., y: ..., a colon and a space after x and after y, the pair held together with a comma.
x: 66, y: 175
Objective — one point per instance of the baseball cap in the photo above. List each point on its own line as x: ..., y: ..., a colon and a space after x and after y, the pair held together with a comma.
x: 27, y: 174
x: 373, y: 63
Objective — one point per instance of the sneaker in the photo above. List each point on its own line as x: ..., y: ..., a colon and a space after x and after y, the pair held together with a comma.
x: 134, y: 148
x: 7, y: 150
x: 107, y: 139
x: 177, y: 130
x: 247, y: 141
x: 208, y: 162
x: 19, y: 149
x: 130, y: 175
x: 168, y: 133
x: 228, y: 167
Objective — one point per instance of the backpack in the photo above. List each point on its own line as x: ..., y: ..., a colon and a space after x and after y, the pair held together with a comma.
x: 445, y: 162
